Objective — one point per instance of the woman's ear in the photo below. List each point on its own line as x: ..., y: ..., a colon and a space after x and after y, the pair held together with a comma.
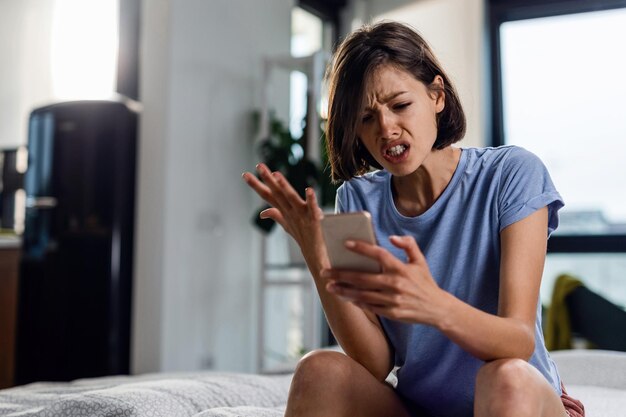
x: 439, y: 94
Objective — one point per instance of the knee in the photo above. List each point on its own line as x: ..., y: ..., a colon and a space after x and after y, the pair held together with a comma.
x: 502, y: 384
x: 507, y: 373
x: 324, y: 366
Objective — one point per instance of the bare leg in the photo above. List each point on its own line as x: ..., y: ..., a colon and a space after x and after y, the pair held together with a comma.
x: 514, y: 388
x: 331, y: 384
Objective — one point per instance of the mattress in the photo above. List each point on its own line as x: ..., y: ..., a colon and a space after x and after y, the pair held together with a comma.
x: 206, y: 394
x: 597, y: 378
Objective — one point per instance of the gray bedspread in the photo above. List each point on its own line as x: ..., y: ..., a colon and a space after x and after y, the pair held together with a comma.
x: 597, y: 378
x: 205, y: 394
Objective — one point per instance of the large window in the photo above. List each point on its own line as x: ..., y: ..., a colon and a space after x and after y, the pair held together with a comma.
x: 84, y: 48
x: 307, y: 37
x: 563, y: 90
x: 558, y: 90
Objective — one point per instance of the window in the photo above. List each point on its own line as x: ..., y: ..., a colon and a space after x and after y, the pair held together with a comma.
x: 307, y: 36
x: 84, y: 48
x: 558, y: 90
x: 563, y: 95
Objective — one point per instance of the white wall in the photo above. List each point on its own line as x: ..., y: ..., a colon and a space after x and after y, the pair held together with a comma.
x: 196, y: 251
x: 197, y: 254
x: 25, y: 33
x: 455, y: 31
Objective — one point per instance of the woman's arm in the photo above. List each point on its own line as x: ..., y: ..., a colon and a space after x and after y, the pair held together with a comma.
x: 510, y: 334
x: 358, y: 332
x: 408, y: 292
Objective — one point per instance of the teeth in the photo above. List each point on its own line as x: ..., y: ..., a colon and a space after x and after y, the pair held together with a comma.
x: 396, y: 150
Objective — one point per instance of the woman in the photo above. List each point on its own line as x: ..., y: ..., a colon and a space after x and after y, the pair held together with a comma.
x: 462, y: 240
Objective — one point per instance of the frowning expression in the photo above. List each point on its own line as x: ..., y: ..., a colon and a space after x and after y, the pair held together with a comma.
x: 398, y: 125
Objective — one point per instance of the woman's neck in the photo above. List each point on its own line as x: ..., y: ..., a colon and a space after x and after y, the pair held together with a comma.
x: 415, y: 193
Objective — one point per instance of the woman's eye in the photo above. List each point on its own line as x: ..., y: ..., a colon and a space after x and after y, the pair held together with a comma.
x: 366, y: 118
x: 401, y: 106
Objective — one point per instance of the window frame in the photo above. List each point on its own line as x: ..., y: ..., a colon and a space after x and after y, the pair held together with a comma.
x: 327, y: 10
x: 127, y: 83
x: 499, y: 12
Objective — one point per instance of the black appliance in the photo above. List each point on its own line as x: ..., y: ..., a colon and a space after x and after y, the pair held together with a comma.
x: 11, y: 180
x: 74, y: 305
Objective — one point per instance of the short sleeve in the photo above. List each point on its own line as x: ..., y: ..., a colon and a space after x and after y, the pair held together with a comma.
x: 340, y: 199
x: 525, y: 187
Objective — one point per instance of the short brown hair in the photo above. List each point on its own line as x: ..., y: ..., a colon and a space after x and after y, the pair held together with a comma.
x: 356, y: 58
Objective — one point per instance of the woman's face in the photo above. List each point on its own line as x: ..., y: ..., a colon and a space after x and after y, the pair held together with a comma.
x: 398, y: 125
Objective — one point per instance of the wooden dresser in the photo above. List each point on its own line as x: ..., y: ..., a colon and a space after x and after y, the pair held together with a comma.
x: 9, y: 264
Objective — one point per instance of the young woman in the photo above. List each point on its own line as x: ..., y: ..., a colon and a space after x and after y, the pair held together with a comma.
x: 462, y: 240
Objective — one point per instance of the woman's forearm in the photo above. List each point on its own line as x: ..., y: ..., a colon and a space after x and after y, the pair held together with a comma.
x: 485, y: 336
x: 357, y: 332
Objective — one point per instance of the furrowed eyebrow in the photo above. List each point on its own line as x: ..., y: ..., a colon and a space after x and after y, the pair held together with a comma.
x: 393, y: 95
x: 386, y: 99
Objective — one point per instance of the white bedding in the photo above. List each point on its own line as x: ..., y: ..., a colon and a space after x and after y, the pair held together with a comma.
x: 204, y: 394
x: 597, y: 378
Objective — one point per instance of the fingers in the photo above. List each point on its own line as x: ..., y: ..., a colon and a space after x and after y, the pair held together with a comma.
x: 358, y: 295
x: 388, y: 304
x: 361, y: 280
x: 271, y: 179
x: 409, y: 245
x: 384, y: 258
x: 261, y: 189
x: 274, y: 188
x: 379, y: 302
x: 286, y: 189
x: 352, y: 283
x: 314, y: 209
x: 274, y: 214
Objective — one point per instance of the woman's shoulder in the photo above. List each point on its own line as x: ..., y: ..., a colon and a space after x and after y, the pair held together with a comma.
x: 510, y: 155
x: 369, y: 187
x: 496, y: 151
x: 368, y: 181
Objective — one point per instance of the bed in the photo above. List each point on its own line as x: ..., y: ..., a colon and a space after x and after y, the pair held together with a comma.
x: 203, y: 394
x: 598, y: 378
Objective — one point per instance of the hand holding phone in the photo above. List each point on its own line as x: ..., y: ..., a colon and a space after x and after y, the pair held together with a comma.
x: 337, y: 228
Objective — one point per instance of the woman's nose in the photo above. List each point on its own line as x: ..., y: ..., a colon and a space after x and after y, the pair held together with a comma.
x: 388, y: 125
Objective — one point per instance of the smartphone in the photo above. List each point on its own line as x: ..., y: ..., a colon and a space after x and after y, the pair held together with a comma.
x: 337, y: 228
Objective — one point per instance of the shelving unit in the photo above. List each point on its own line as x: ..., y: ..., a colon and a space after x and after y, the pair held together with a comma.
x: 287, y: 295
x: 288, y: 300
x: 313, y: 67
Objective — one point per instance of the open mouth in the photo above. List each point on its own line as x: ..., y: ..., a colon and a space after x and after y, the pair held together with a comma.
x: 396, y: 152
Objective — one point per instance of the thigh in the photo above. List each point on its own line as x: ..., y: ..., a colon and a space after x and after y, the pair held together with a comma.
x: 331, y: 383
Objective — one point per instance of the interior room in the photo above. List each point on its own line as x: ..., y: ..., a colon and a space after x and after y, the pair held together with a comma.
x: 131, y: 249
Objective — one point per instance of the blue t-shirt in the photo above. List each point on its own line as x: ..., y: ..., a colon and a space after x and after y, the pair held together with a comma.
x: 460, y: 237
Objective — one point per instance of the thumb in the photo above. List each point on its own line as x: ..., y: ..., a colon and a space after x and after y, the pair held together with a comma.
x: 409, y: 245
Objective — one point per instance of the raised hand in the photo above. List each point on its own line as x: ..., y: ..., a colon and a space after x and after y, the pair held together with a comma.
x: 299, y: 217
